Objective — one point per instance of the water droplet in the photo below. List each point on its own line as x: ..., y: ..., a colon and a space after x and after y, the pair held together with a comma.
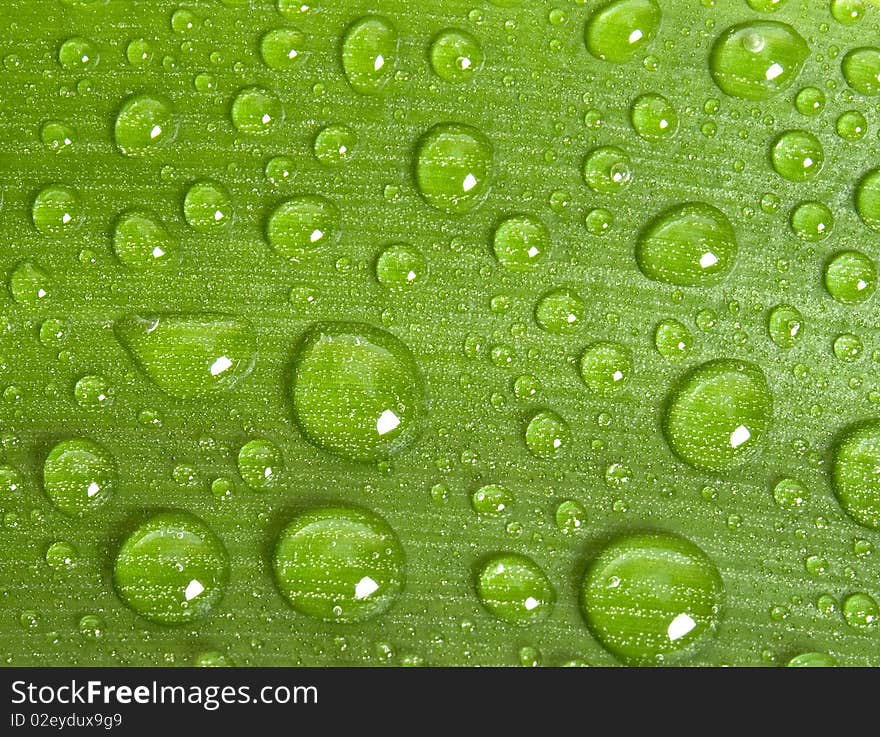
x: 847, y: 11
x: 816, y: 565
x: 57, y: 135
x: 207, y: 206
x: 571, y: 517
x: 672, y: 339
x: 848, y: 347
x: 520, y: 242
x: 605, y: 367
x: 212, y: 659
x: 547, y: 434
x: 259, y: 464
x: 757, y: 60
x: 79, y: 476
x: 812, y: 221
x: 654, y: 117
x: 717, y: 416
x: 812, y: 660
x: 78, y: 54
x: 854, y: 473
x: 61, y: 556
x: 56, y: 210
x: 851, y: 125
x: 789, y: 493
x: 335, y: 144
x: 28, y: 283
x: 560, y: 311
x: 785, y: 325
x: 140, y: 240
x: 868, y: 199
x: 860, y: 611
x: 93, y: 391
x: 456, y: 55
x: 850, y: 277
x: 861, y: 70
x: 144, y: 123
x: 172, y: 569
x: 652, y: 598
x: 279, y: 169
x: 797, y: 156
x: 492, y: 499
x: 369, y: 54
x: 688, y: 245
x: 91, y: 626
x: 400, y: 265
x: 299, y: 227
x: 598, y: 221
x: 620, y: 30
x: 607, y: 169
x: 454, y: 167
x: 357, y: 391
x: 10, y: 480
x: 515, y: 589
x: 810, y: 101
x: 339, y: 564
x: 256, y: 110
x: 189, y: 355
x: 765, y: 6
x: 139, y: 52
x: 283, y: 49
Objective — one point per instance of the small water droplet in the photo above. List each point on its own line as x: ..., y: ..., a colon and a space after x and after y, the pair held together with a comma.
x: 785, y: 325
x: 455, y: 55
x: 812, y: 221
x: 140, y: 240
x: 861, y: 70
x: 515, y: 589
x: 547, y: 434
x: 144, y: 123
x: 797, y: 155
x: 672, y: 339
x: 620, y: 30
x: 29, y: 284
x: 283, y: 49
x: 492, y: 499
x: 61, y: 556
x: 207, y: 206
x: 520, y: 242
x: 654, y: 117
x: 256, y: 110
x: 79, y: 476
x: 605, y: 367
x: 607, y: 169
x: 301, y: 226
x: 850, y: 277
x: 56, y: 210
x: 335, y: 144
x: 93, y: 391
x: 454, y: 167
x: 560, y: 311
x: 400, y: 266
x: 860, y: 611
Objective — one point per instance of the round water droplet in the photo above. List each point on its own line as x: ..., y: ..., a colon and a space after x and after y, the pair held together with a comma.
x: 212, y: 659
x: 139, y: 52
x: 672, y: 339
x: 717, y: 416
x: 357, y: 391
x: 853, y: 473
x: 369, y: 54
x: 757, y: 60
x: 810, y: 101
x: 56, y: 210
x: 140, y: 240
x: 868, y: 199
x: 283, y: 49
x: 848, y: 347
x: 688, y: 245
x: 812, y: 660
x: 78, y: 54
x: 207, y: 206
x: 606, y: 367
x: 789, y: 493
x: 256, y: 110
x: 797, y: 156
x: 607, y: 169
x: 653, y: 117
x: 339, y: 564
x: 57, y: 135
x: 400, y: 265
x: 860, y: 611
x: 299, y: 227
x: 515, y: 589
x: 620, y: 30
x: 850, y: 277
x: 598, y: 221
x: 335, y: 144
x: 454, y: 167
x: 851, y: 125
x: 560, y: 311
x: 520, y: 242
x: 785, y: 325
x: 847, y: 11
x: 571, y: 517
x: 28, y: 283
x: 144, y: 123
x: 79, y: 476
x: 492, y: 499
x: 93, y: 391
x: 10, y: 480
x: 172, y: 569
x: 547, y: 435
x: 259, y: 464
x: 60, y: 556
x: 812, y: 221
x: 861, y: 70
x: 652, y: 598
x: 455, y: 55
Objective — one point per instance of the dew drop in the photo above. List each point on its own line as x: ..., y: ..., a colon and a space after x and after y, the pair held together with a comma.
x: 571, y: 517
x: 854, y: 474
x: 400, y: 266
x: 56, y: 210
x: 560, y: 311
x: 283, y: 49
x: 61, y: 556
x: 29, y: 284
x: 256, y: 110
x: 812, y: 221
x: 207, y: 206
x: 454, y: 167
x: 139, y: 52
x: 851, y: 125
x: 334, y: 145
x: 812, y: 660
x: 259, y: 464
x: 10, y: 480
x: 58, y: 136
x: 607, y: 169
x: 605, y: 367
x: 515, y: 589
x: 79, y: 476
x: 785, y: 325
x: 765, y: 6
x: 598, y: 221
x: 93, y: 391
x: 847, y: 12
x: 521, y: 242
x: 810, y: 101
x: 654, y: 117
x: 369, y: 54
x: 455, y: 55
x: 78, y: 54
x: 301, y: 226
x: 797, y: 156
x: 860, y: 611
x: 144, y: 123
x: 850, y: 277
x: 492, y: 499
x: 868, y: 199
x: 339, y: 564
x: 620, y: 30
x: 789, y: 493
x: 140, y: 240
x: 672, y: 339
x: 848, y: 347
x: 861, y: 70
x: 547, y: 435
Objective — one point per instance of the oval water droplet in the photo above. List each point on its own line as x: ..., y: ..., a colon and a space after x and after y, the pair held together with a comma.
x: 868, y: 199
x: 847, y: 11
x: 173, y: 569
x: 256, y: 110
x: 300, y: 227
x: 78, y: 54
x: 789, y: 493
x: 765, y: 6
x: 850, y: 277
x: 140, y: 240
x: 10, y: 480
x: 861, y: 70
x: 654, y: 117
x: 560, y: 311
x: 607, y: 169
x: 547, y: 434
x: 672, y: 339
x: 797, y: 156
x: 455, y: 55
x: 520, y: 242
x: 492, y: 499
x: 717, y: 416
x: 652, y: 598
x: 189, y: 355
x: 283, y: 49
x: 606, y: 367
x: 854, y: 473
x: 259, y: 464
x: 757, y: 60
x: 93, y: 391
x: 571, y: 517
x: 785, y: 325
x: 369, y: 54
x: 620, y: 30
x: 79, y: 476
x: 56, y: 210
x: 515, y: 589
x: 860, y: 611
x: 454, y: 167
x: 334, y: 145
x: 61, y: 556
x: 812, y: 660
x: 207, y: 206
x: 812, y: 221
x: 851, y: 125
x: 29, y: 284
x: 400, y: 265
x: 357, y: 391
x: 810, y: 101
x: 57, y: 135
x: 848, y: 347
x: 144, y: 123
x: 339, y: 564
x: 688, y: 245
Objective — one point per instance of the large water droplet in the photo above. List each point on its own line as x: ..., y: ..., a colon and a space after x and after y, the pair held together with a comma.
x: 256, y: 110
x: 259, y: 464
x: 300, y: 227
x: 757, y: 60
x: 454, y: 167
x: 172, y: 569
x: 861, y: 70
x: 357, y: 391
x: 339, y: 564
x: 854, y: 473
x: 688, y: 245
x: 520, y: 242
x: 207, y: 206
x: 718, y: 415
x: 455, y: 55
x: 868, y: 199
x: 56, y: 210
x: 140, y: 240
x: 652, y: 598
x: 619, y: 30
x: 79, y: 476
x: 515, y: 589
x: 797, y: 155
x: 847, y: 11
x: 144, y: 123
x: 369, y: 54
x: 190, y: 355
x: 850, y: 277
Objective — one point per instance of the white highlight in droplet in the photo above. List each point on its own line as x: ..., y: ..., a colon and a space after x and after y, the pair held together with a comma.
x: 680, y: 626
x: 773, y: 71
x: 379, y: 63
x: 220, y: 365
x: 193, y: 589
x: 708, y: 259
x: 387, y: 422
x: 636, y: 35
x: 155, y: 131
x: 470, y: 181
x: 739, y: 436
x: 316, y: 235
x: 365, y: 587
x: 92, y: 489
x: 531, y: 603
